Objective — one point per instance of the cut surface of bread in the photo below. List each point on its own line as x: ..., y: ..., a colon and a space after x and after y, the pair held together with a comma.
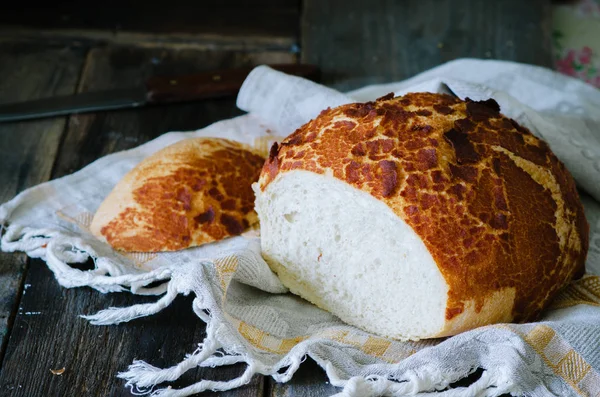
x: 350, y: 254
x: 193, y: 192
x: 497, y: 215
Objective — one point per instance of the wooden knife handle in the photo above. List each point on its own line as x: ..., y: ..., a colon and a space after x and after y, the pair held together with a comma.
x: 164, y: 89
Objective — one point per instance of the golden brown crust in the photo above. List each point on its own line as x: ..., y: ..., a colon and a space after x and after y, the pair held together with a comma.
x: 190, y: 193
x: 494, y: 206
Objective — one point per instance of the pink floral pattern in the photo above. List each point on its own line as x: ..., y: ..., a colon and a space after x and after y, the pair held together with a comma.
x: 578, y: 63
x: 588, y: 7
x: 582, y: 62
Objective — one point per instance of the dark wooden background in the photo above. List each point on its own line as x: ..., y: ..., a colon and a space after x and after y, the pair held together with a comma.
x: 71, y: 47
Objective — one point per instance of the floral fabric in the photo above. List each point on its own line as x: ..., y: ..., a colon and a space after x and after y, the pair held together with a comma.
x: 576, y: 40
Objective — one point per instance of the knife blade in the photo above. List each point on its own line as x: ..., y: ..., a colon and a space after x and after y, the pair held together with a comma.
x: 156, y: 90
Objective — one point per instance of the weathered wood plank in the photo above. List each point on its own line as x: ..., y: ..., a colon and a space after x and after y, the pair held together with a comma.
x: 12, y: 271
x: 90, y: 136
x: 358, y: 43
x: 56, y: 337
x: 227, y: 22
x: 195, y: 41
x: 278, y: 18
x: 49, y: 335
x: 28, y: 149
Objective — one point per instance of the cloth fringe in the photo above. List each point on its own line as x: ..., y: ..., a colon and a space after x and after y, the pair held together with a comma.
x: 488, y: 385
x: 59, y: 250
x: 117, y: 315
x: 141, y: 378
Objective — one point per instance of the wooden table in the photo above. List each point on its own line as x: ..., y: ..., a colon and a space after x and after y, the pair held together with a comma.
x: 63, y: 51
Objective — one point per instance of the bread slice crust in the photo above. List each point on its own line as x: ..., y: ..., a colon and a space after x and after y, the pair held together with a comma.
x: 193, y: 192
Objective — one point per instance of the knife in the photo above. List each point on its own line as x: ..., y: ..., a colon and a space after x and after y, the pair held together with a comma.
x: 157, y: 90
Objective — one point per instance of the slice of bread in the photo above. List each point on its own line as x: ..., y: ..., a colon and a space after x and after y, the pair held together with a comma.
x: 193, y: 192
x: 420, y: 216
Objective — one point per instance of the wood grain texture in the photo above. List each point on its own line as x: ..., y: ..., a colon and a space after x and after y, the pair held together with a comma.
x: 274, y: 18
x: 90, y: 136
x: 28, y: 149
x: 49, y: 335
x: 358, y: 43
x: 12, y: 270
x: 57, y: 337
x: 181, y: 41
x: 233, y: 24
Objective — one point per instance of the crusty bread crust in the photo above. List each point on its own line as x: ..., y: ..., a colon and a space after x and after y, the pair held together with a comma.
x: 496, y: 209
x: 193, y: 192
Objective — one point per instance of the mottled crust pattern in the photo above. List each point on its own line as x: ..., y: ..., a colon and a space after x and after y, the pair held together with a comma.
x: 494, y: 206
x: 193, y: 192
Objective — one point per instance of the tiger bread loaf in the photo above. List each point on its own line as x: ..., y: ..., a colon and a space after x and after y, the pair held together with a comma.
x: 193, y: 192
x: 420, y: 216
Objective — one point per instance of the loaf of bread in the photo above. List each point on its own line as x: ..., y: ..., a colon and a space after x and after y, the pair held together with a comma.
x: 193, y: 192
x: 420, y: 216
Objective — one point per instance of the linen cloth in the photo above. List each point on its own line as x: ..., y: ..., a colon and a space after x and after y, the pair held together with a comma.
x: 250, y: 317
